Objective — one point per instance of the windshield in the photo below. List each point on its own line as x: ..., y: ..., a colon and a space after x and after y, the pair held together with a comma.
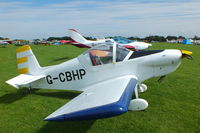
x: 103, y: 54
x: 121, y: 53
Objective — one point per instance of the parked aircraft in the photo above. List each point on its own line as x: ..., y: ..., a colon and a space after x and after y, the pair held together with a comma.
x: 130, y: 43
x: 108, y: 76
x: 80, y: 41
x: 3, y: 43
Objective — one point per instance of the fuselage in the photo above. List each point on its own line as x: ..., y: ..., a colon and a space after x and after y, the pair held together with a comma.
x: 133, y: 45
x: 88, y: 44
x: 80, y: 41
x: 78, y: 73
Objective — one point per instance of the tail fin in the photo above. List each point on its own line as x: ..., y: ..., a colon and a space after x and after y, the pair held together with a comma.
x: 27, y: 63
x: 77, y: 36
x: 28, y: 68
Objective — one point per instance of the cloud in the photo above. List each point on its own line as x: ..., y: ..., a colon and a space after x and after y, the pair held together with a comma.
x: 128, y: 18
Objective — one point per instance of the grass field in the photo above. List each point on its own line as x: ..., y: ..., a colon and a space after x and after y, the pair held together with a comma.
x: 174, y: 104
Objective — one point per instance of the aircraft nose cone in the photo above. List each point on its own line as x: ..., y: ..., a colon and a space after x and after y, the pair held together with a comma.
x: 172, y: 54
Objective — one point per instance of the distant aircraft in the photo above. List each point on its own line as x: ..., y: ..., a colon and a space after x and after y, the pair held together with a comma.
x: 80, y: 41
x: 130, y: 43
x: 3, y: 43
x: 65, y: 42
x: 109, y: 76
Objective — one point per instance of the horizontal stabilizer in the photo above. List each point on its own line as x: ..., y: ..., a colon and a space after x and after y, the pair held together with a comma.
x: 23, y: 79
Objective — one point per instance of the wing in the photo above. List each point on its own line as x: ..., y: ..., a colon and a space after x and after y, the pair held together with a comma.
x: 105, y: 99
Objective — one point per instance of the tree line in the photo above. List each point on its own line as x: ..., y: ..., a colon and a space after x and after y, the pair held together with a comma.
x: 4, y: 38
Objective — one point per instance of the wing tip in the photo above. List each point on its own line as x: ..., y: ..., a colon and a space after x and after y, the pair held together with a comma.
x: 12, y: 84
x: 56, y: 118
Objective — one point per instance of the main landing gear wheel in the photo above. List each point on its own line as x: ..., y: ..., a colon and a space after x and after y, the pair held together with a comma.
x: 138, y: 104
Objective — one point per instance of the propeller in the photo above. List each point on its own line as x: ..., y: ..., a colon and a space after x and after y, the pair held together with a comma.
x: 186, y: 54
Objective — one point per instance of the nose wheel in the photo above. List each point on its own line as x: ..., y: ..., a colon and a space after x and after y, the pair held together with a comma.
x: 142, y: 88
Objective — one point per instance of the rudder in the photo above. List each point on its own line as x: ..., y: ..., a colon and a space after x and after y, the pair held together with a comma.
x: 77, y: 36
x: 26, y: 60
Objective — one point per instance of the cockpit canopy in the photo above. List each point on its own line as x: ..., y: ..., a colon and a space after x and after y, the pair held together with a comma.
x: 122, y: 40
x: 104, y: 54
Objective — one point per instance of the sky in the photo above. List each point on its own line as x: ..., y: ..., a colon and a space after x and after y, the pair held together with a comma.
x: 31, y: 19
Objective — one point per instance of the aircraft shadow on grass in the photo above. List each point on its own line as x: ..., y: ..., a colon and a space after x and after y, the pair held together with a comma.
x: 67, y: 127
x: 21, y: 93
x: 12, y: 97
x: 51, y: 127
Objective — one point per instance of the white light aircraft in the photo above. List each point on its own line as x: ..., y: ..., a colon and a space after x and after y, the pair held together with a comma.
x: 80, y: 41
x: 107, y: 75
x: 130, y: 44
x: 2, y: 42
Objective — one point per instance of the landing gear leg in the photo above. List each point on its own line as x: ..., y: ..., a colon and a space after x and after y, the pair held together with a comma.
x: 29, y: 89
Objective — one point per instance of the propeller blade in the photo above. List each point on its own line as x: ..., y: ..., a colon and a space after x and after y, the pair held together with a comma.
x: 186, y: 54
